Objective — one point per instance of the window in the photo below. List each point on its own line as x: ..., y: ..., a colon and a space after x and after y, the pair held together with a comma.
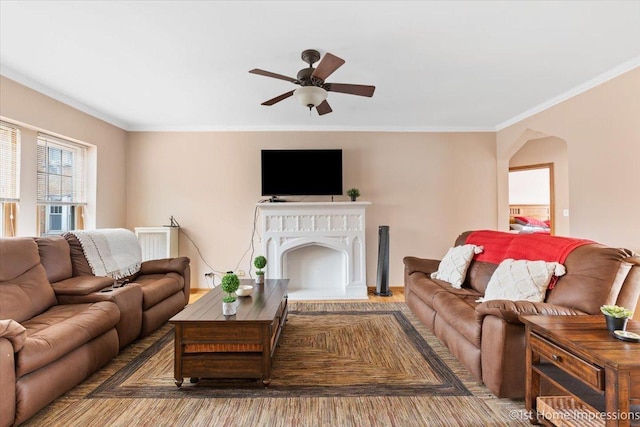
x: 9, y: 178
x: 61, y: 182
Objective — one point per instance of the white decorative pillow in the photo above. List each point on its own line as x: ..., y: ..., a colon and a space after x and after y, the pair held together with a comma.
x: 454, y: 265
x: 521, y: 280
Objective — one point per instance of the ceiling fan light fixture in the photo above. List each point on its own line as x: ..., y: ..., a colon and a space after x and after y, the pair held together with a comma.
x: 310, y: 96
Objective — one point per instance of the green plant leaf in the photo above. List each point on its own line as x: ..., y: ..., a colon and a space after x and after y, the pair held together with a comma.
x: 260, y: 262
x: 230, y: 283
x: 616, y: 311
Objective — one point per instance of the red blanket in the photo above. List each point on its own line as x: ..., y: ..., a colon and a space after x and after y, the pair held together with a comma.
x: 499, y: 246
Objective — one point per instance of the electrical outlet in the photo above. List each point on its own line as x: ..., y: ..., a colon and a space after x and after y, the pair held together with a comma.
x: 240, y: 273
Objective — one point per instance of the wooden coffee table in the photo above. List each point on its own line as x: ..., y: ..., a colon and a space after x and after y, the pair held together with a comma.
x: 593, y: 370
x: 211, y: 345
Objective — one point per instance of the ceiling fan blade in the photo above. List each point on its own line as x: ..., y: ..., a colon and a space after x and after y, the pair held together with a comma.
x: 323, y: 108
x: 278, y: 98
x: 327, y: 66
x: 361, y: 90
x: 274, y: 75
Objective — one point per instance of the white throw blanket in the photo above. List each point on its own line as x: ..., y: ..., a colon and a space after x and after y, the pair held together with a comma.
x: 113, y: 252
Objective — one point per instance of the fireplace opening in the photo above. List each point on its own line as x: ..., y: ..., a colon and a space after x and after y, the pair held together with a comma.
x: 315, y: 269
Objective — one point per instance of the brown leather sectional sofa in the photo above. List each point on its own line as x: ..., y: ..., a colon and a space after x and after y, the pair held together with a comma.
x: 487, y: 338
x: 57, y: 326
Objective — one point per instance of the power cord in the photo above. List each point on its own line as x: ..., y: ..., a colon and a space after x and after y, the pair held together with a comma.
x: 174, y: 223
x: 251, y: 248
x: 251, y: 244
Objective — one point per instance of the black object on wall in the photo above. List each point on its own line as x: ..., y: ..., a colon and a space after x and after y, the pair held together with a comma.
x: 382, y: 283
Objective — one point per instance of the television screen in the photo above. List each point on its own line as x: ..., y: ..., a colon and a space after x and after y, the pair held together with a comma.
x: 301, y: 172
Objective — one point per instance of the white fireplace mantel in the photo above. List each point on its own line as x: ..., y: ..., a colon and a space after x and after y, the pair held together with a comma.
x: 337, y: 226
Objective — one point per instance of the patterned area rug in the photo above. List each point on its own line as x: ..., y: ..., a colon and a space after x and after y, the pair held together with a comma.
x: 348, y: 364
x: 321, y: 353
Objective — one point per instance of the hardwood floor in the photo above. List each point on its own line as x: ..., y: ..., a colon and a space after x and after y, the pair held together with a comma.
x: 398, y: 295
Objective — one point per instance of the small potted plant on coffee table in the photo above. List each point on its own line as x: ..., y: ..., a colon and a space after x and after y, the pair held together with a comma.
x: 260, y: 262
x: 230, y: 284
x: 616, y: 317
x: 354, y: 193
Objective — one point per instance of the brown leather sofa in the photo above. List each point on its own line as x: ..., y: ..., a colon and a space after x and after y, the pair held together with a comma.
x: 488, y: 338
x: 57, y: 326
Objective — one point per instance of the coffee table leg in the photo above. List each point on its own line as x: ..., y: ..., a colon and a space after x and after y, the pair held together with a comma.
x: 266, y: 382
x: 179, y: 382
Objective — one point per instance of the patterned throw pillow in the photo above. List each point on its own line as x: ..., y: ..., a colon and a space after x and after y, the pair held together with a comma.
x: 454, y: 265
x: 521, y: 280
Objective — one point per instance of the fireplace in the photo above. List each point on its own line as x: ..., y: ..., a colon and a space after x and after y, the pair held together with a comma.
x: 319, y: 247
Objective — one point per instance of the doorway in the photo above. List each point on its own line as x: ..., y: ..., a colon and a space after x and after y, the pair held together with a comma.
x: 531, y: 199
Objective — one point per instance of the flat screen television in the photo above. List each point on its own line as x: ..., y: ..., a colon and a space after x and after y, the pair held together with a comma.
x: 302, y: 172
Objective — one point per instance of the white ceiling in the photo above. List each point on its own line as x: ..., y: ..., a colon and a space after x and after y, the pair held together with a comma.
x: 178, y: 65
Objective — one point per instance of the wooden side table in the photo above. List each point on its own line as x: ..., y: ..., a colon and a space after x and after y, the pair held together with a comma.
x: 579, y: 356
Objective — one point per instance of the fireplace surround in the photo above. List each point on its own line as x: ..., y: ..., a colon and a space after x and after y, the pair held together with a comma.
x: 318, y: 246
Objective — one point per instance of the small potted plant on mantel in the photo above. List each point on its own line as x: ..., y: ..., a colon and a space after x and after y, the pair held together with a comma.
x: 616, y: 317
x: 230, y: 284
x: 354, y: 193
x: 259, y: 262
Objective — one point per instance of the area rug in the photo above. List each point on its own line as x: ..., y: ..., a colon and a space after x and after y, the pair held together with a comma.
x: 321, y: 353
x: 338, y: 364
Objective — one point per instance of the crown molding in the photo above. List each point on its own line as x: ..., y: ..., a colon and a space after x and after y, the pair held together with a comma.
x: 602, y: 78
x: 189, y: 128
x: 38, y: 87
x: 28, y: 82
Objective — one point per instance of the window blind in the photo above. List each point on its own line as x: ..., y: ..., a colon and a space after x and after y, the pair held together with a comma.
x: 9, y: 166
x: 61, y: 171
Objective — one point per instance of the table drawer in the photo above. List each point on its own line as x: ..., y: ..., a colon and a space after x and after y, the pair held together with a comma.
x: 590, y: 374
x: 223, y: 366
x: 222, y: 332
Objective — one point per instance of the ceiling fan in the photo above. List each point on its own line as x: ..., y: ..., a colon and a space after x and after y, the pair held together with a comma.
x: 313, y: 87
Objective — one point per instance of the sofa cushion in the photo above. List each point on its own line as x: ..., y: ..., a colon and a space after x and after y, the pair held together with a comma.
x: 454, y: 265
x: 459, y: 313
x: 18, y: 255
x: 158, y: 287
x: 24, y: 287
x: 55, y: 256
x: 425, y: 288
x: 60, y: 330
x: 521, y: 280
x: 78, y: 261
x: 479, y: 274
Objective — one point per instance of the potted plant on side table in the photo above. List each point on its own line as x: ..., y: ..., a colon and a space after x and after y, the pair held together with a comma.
x: 259, y: 262
x: 230, y: 284
x: 616, y: 317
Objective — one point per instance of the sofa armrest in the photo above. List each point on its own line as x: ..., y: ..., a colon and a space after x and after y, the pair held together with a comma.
x: 511, y: 310
x: 14, y: 332
x: 423, y: 265
x: 81, y: 285
x: 7, y: 383
x: 163, y: 266
x: 12, y: 338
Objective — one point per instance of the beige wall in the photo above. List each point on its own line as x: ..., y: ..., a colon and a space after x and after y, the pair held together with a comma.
x: 428, y: 187
x: 602, y: 130
x: 550, y: 150
x: 35, y: 112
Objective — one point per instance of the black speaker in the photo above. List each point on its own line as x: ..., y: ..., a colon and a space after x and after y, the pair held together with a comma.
x: 382, y: 283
